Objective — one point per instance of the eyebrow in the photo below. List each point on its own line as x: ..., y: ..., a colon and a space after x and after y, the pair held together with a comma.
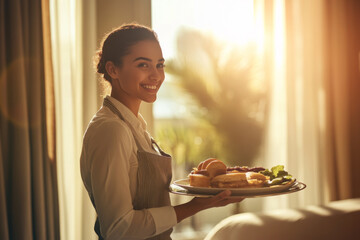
x: 147, y: 59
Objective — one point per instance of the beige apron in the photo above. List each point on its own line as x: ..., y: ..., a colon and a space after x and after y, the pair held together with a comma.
x: 153, y: 179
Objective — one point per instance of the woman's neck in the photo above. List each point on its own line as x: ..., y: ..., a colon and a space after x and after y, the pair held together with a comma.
x: 133, y: 105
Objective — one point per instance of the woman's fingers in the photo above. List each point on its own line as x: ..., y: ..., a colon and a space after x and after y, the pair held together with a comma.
x: 223, y: 194
x: 232, y: 200
x: 221, y: 199
x: 236, y: 199
x: 225, y: 198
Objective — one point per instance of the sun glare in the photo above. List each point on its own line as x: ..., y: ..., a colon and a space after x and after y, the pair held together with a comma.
x: 233, y: 22
x: 229, y: 20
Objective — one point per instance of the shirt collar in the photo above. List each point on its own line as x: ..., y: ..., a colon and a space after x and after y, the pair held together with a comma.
x: 129, y: 117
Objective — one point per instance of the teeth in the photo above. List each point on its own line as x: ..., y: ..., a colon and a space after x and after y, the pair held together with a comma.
x: 149, y: 86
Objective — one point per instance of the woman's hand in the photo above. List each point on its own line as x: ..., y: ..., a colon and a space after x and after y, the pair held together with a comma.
x: 198, y: 204
x: 222, y: 199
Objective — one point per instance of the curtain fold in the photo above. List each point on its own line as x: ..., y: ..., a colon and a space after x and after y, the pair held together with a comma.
x: 342, y: 84
x: 27, y: 178
x: 303, y: 97
x: 314, y: 111
x: 73, y: 38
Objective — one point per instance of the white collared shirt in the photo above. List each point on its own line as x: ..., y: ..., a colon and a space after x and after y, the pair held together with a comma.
x: 109, y: 172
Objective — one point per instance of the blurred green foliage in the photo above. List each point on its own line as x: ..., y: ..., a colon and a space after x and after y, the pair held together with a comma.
x: 188, y: 142
x: 225, y: 83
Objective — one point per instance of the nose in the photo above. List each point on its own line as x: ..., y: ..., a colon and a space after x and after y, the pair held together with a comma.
x: 156, y: 74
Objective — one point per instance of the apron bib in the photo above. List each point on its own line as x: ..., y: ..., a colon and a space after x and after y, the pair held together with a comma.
x: 153, y: 179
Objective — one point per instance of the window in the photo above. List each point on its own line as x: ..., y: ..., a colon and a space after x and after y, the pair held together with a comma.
x: 232, y: 24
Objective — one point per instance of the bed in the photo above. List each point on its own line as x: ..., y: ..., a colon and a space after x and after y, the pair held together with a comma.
x: 336, y: 220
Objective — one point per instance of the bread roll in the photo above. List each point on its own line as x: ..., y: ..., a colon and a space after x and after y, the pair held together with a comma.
x: 204, y: 163
x: 213, y: 173
x: 215, y: 167
x: 255, y: 175
x: 199, y: 180
x: 205, y: 171
x: 229, y: 180
x: 255, y: 179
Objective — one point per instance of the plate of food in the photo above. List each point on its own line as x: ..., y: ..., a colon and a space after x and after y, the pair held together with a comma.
x: 212, y: 176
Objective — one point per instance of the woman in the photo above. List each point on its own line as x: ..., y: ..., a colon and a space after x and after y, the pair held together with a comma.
x: 124, y: 171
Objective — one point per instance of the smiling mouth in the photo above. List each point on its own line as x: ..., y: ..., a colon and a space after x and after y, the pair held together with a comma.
x: 151, y: 87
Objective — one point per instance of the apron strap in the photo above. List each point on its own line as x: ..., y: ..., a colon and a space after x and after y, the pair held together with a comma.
x: 110, y: 105
x: 154, y: 145
x: 148, y: 165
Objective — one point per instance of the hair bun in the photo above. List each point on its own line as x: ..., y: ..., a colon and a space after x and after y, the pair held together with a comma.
x: 116, y: 44
x: 100, y: 65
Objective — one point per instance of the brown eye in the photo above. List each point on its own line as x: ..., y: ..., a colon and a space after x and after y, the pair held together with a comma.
x: 160, y: 65
x: 143, y: 65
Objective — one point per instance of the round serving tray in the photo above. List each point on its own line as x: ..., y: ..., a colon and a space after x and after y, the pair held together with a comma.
x: 182, y: 187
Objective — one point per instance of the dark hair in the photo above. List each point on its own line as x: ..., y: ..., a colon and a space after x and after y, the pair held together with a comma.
x: 116, y: 44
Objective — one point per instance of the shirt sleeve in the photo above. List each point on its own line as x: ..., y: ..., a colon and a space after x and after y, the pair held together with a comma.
x: 164, y: 217
x: 110, y: 151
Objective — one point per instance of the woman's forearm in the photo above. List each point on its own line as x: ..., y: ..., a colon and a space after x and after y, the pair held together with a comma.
x: 186, y: 210
x: 198, y: 204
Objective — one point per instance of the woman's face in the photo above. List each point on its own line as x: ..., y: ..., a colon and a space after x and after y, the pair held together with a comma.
x: 140, y: 75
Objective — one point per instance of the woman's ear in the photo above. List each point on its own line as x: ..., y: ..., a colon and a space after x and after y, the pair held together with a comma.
x: 111, y: 69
